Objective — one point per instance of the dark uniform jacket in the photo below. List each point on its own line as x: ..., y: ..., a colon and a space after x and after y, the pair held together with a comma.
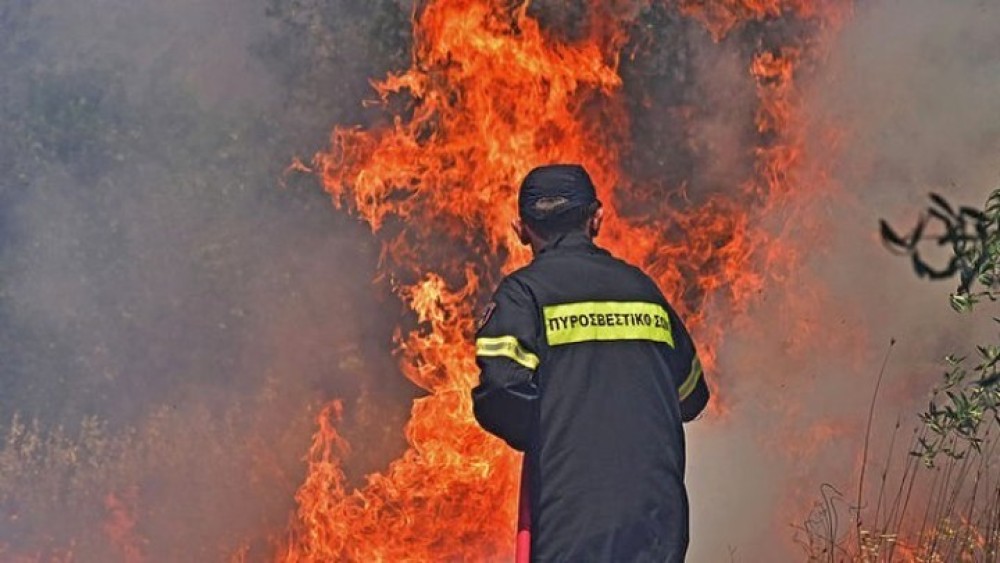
x: 587, y: 369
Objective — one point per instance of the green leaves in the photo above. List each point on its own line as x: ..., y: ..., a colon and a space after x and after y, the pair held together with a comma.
x: 956, y: 425
x: 967, y: 402
x: 973, y: 236
x: 961, y: 303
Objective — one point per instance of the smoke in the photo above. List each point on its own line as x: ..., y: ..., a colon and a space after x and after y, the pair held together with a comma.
x: 692, y: 101
x: 905, y: 103
x: 170, y: 313
x: 913, y: 85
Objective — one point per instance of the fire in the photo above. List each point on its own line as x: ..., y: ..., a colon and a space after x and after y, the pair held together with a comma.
x: 120, y: 524
x: 490, y: 95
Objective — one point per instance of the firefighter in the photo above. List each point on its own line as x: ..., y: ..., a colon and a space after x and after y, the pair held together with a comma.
x: 586, y: 368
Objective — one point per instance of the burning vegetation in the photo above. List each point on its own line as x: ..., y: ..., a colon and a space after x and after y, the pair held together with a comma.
x: 691, y: 116
x: 490, y: 94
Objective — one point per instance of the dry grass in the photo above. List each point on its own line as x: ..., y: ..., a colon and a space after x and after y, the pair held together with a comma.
x: 184, y: 485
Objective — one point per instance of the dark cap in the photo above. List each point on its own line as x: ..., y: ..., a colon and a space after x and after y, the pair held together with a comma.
x: 568, y: 181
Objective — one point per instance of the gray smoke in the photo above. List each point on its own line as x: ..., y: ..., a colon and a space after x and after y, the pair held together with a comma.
x: 173, y: 308
x: 913, y: 90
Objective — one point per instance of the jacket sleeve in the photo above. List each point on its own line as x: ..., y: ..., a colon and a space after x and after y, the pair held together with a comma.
x: 506, y: 399
x: 686, y: 367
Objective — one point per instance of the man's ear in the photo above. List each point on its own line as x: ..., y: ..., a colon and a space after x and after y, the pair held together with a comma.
x: 596, y: 220
x: 521, y: 230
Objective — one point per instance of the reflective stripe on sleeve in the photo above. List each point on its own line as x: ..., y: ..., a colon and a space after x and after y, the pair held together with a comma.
x: 692, y: 380
x: 570, y: 323
x: 506, y: 347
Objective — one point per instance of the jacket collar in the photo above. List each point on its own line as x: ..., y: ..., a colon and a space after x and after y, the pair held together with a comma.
x: 571, y: 242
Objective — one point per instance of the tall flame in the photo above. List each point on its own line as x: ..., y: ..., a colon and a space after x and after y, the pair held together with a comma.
x: 490, y: 95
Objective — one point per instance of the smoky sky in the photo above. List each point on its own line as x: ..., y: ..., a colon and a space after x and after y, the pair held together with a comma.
x: 173, y: 306
x: 163, y: 278
x: 905, y: 103
x: 152, y: 245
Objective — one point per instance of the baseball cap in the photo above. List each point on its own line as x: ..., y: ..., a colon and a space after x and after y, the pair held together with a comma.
x: 569, y: 182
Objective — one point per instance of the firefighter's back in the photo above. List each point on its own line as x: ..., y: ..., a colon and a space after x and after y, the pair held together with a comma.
x: 607, y: 466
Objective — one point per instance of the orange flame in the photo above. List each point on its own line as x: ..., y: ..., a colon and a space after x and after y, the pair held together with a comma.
x: 490, y: 95
x: 120, y: 524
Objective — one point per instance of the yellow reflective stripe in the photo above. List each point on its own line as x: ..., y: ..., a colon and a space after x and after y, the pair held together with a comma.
x: 692, y: 379
x: 606, y: 320
x: 506, y: 347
